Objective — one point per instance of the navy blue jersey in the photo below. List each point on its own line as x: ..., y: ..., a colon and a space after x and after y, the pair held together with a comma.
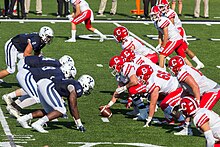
x: 46, y: 72
x: 21, y: 41
x: 62, y: 84
x: 36, y: 61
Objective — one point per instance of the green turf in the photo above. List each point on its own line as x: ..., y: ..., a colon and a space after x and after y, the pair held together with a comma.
x: 88, y: 53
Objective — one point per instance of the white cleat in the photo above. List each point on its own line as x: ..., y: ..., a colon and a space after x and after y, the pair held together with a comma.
x: 13, y: 111
x: 70, y: 40
x: 38, y: 127
x: 185, y: 131
x: 200, y: 66
x: 102, y: 38
x: 23, y: 121
x: 8, y: 100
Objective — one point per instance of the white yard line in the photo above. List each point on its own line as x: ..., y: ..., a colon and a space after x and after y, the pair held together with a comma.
x: 102, y: 21
x: 7, y: 131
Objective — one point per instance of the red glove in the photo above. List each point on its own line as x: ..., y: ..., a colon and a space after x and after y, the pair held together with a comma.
x: 128, y: 105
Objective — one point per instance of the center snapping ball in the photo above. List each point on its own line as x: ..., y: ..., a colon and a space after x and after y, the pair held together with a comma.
x: 105, y: 112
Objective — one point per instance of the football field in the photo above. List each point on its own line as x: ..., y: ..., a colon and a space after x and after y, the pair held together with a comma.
x: 92, y: 57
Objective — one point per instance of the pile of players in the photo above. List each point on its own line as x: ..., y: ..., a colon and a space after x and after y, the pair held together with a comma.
x: 43, y: 80
x: 182, y: 94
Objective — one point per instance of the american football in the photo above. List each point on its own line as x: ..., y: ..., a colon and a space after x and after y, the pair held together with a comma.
x: 105, y: 112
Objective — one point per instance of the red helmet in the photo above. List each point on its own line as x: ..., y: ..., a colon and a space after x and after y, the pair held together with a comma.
x: 163, y: 5
x: 116, y: 63
x: 144, y: 72
x: 120, y: 33
x: 188, y: 105
x: 155, y: 13
x: 128, y: 55
x: 175, y: 64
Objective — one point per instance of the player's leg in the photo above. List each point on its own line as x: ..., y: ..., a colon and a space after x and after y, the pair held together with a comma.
x: 180, y: 7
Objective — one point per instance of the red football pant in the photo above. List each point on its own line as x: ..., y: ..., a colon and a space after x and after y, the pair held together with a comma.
x: 84, y: 16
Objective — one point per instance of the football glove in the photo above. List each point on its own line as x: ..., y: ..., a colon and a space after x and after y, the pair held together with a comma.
x: 82, y: 128
x: 148, y: 120
x: 129, y: 102
x: 119, y: 90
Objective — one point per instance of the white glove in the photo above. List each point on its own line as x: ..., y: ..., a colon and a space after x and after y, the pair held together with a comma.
x: 70, y: 17
x: 121, y: 89
x: 67, y: 0
x: 148, y: 120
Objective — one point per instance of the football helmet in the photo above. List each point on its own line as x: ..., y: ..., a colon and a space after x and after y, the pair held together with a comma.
x: 120, y: 33
x: 155, y: 13
x: 69, y: 70
x: 116, y: 63
x: 66, y: 59
x: 188, y: 105
x: 163, y: 5
x: 175, y: 64
x: 87, y: 83
x: 46, y: 34
x: 144, y: 72
x: 128, y: 55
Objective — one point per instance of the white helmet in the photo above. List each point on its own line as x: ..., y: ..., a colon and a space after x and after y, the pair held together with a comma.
x: 68, y: 70
x: 87, y: 83
x: 66, y: 59
x: 46, y: 34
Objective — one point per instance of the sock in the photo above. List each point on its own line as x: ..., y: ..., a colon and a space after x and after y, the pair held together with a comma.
x: 29, y: 116
x: 73, y: 32
x: 27, y: 102
x: 195, y: 59
x: 43, y: 120
x: 12, y: 94
x: 98, y: 32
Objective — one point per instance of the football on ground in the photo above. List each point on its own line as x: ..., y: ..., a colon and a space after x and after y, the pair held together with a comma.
x: 105, y: 112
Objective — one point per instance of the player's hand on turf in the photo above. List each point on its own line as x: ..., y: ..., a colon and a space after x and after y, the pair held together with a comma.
x: 148, y: 120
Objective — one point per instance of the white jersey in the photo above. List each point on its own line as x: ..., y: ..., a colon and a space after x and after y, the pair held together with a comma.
x: 172, y: 14
x: 138, y: 47
x: 204, y: 115
x: 173, y: 33
x: 83, y: 4
x: 127, y: 71
x: 164, y: 81
x: 205, y: 84
x: 141, y: 60
x: 177, y: 22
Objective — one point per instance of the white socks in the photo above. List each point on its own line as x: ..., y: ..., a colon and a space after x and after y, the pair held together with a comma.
x: 73, y: 32
x: 195, y: 59
x: 99, y: 33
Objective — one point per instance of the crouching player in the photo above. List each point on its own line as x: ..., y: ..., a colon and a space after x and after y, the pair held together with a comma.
x: 50, y: 93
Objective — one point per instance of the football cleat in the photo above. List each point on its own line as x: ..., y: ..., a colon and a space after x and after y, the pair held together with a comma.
x: 70, y: 40
x: 37, y: 126
x: 185, y: 131
x: 23, y: 121
x: 8, y: 100
x: 200, y: 66
x: 103, y: 37
x: 1, y: 81
x: 13, y: 111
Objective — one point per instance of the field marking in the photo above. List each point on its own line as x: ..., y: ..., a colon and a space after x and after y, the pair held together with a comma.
x: 215, y: 39
x: 91, y: 144
x: 6, y: 129
x: 104, y: 119
x: 104, y: 21
x: 218, y: 66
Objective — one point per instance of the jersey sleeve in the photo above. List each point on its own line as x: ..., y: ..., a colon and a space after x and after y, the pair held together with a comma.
x: 182, y: 75
x: 164, y: 23
x: 201, y: 120
x: 128, y: 70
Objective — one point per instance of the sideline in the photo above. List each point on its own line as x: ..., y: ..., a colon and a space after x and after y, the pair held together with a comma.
x: 102, y: 21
